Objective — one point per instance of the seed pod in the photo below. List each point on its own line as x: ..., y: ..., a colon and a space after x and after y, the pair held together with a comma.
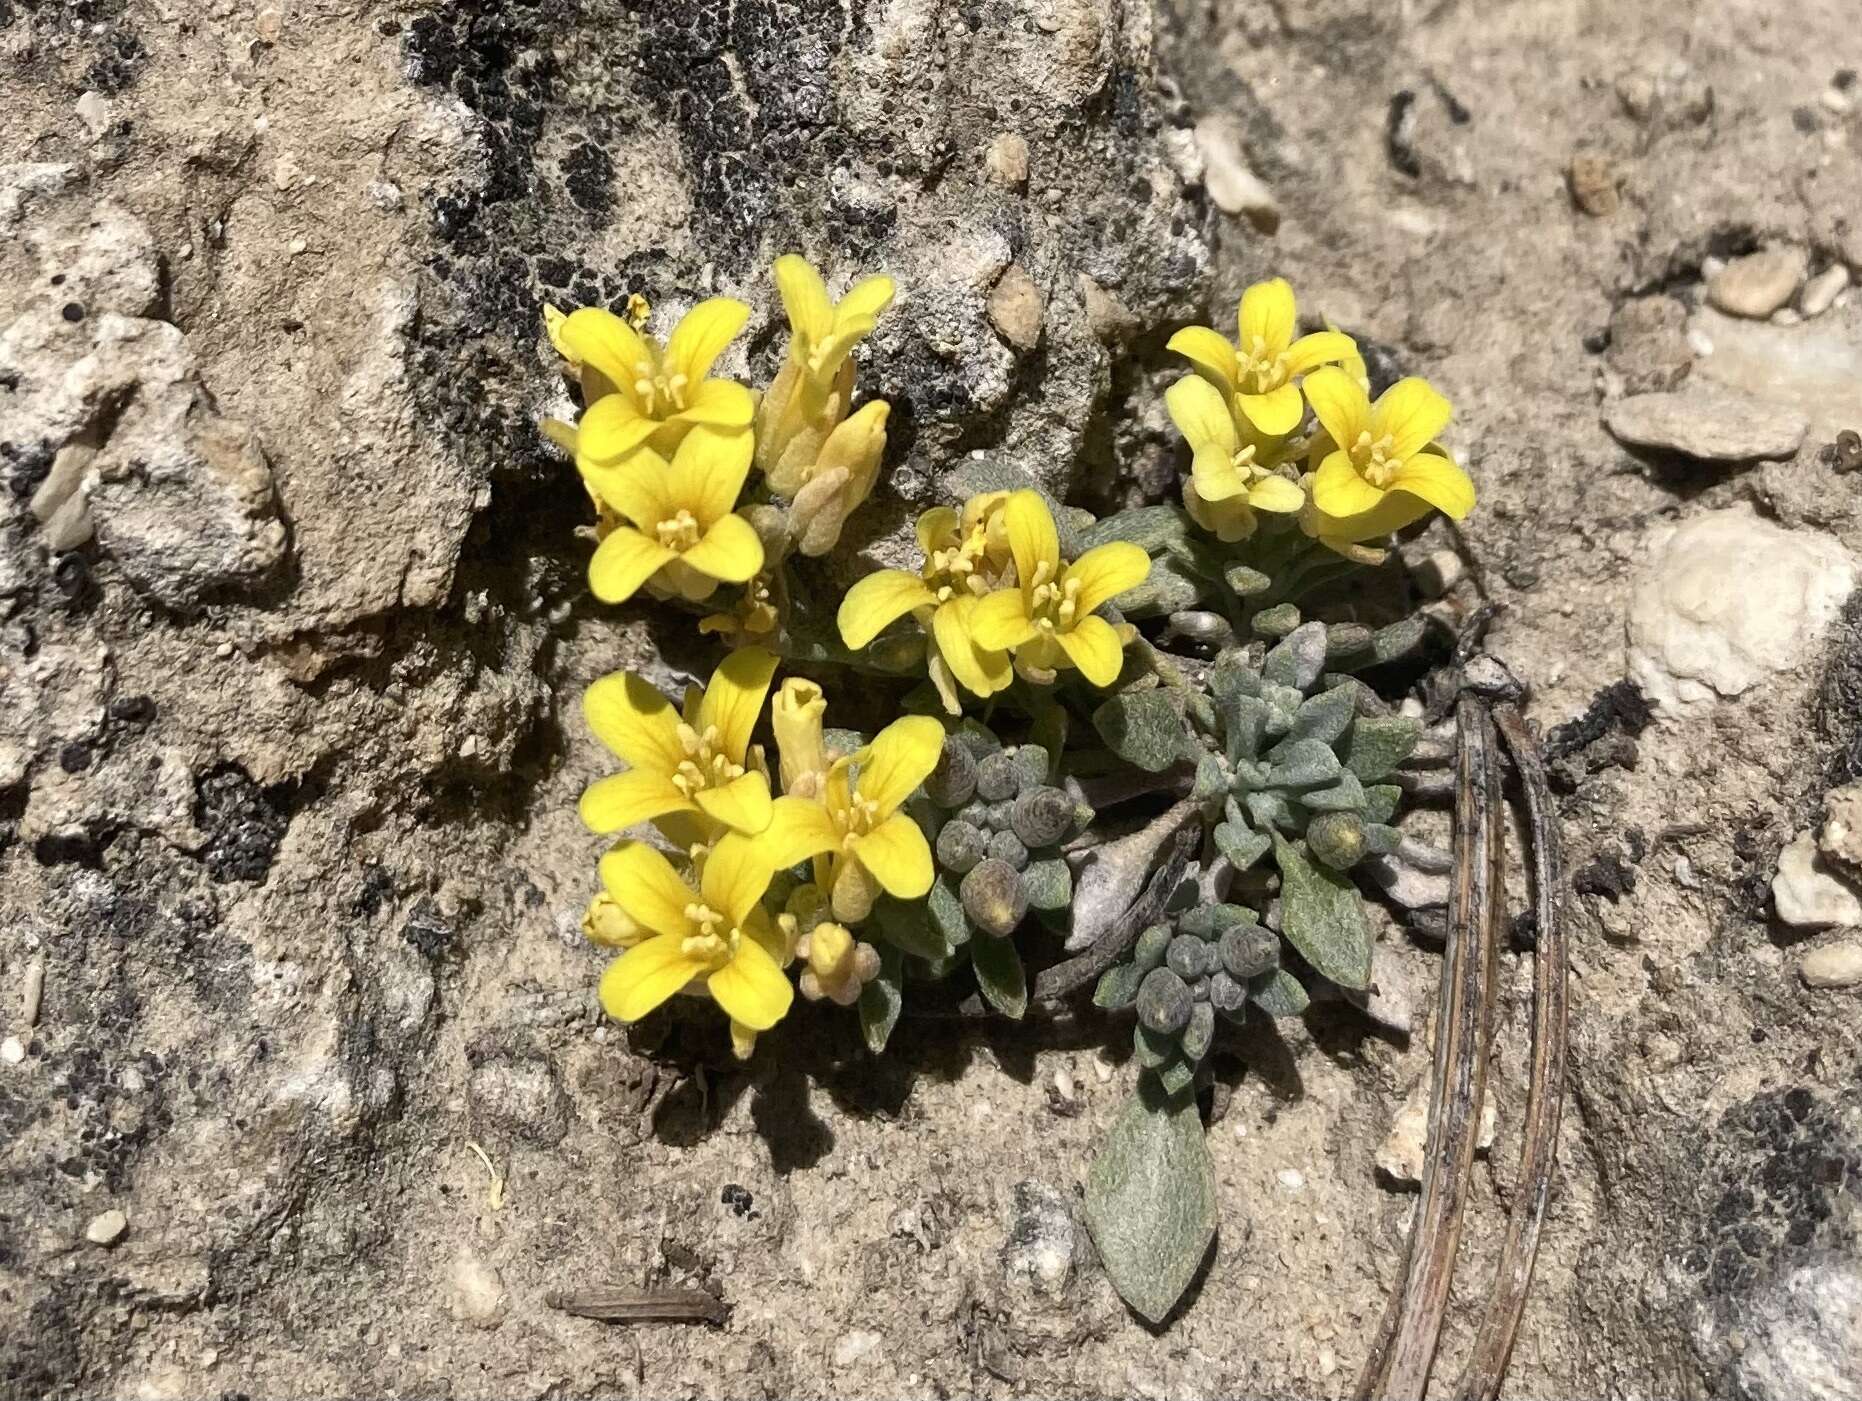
x: 1336, y: 838
x: 960, y: 846
x: 1225, y: 994
x: 1006, y: 846
x: 1041, y: 816
x: 1164, y: 1002
x: 953, y: 782
x: 1149, y: 950
x: 1248, y: 950
x: 1189, y: 957
x: 997, y: 778
x: 993, y: 898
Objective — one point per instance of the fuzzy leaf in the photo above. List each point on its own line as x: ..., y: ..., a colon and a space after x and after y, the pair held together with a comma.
x: 1150, y: 1201
x: 1170, y: 587
x: 1272, y: 810
x: 1152, y: 529
x: 999, y: 974
x: 1297, y: 659
x: 1277, y: 621
x: 1347, y: 795
x: 1278, y: 993
x: 1246, y: 581
x: 1241, y: 846
x: 1380, y: 839
x: 1304, y: 763
x: 1322, y: 915
x: 1151, y: 1048
x: 1048, y: 884
x: 880, y: 1001
x: 1245, y: 723
x: 1176, y: 1075
x: 1144, y: 728
x: 1327, y: 715
x: 1210, y: 780
x: 944, y: 907
x: 1231, y: 676
x: 1378, y: 743
x: 1031, y: 763
x: 907, y: 926
x: 1381, y: 801
x: 1118, y: 986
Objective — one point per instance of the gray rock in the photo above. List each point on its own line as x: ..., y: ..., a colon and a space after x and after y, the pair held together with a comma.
x: 1017, y: 308
x: 1648, y: 344
x: 516, y: 1097
x: 1803, y: 1339
x: 1832, y: 966
x: 1759, y: 283
x: 1807, y: 894
x: 477, y: 1291
x: 1823, y: 289
x: 1043, y: 1241
x: 1813, y: 370
x: 1841, y: 838
x: 1693, y: 640
x: 1707, y: 424
x: 1234, y: 187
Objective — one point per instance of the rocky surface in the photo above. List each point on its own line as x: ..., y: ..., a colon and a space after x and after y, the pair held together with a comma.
x: 1709, y: 425
x: 292, y: 622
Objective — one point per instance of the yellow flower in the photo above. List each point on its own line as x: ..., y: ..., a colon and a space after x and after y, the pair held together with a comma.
x: 715, y: 934
x: 831, y: 488
x: 1048, y: 619
x: 639, y: 394
x: 1231, y: 463
x: 605, y: 923
x: 699, y: 766
x: 837, y: 964
x: 796, y: 716
x: 966, y: 555
x: 679, y: 527
x: 1378, y: 466
x: 1259, y: 377
x: 814, y: 389
x: 753, y: 617
x: 860, y: 841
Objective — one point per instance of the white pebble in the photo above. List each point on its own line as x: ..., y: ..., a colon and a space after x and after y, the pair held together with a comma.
x: 298, y: 246
x: 11, y: 1051
x: 1290, y: 1178
x: 1832, y: 966
x: 106, y: 1229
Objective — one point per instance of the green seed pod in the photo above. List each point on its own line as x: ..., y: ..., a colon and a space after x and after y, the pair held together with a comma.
x: 1007, y: 847
x: 953, y: 782
x: 993, y: 898
x: 960, y: 846
x: 1041, y: 816
x: 1189, y: 957
x: 1336, y: 838
x: 1200, y: 1032
x: 1248, y: 950
x: 1151, y: 945
x: 997, y: 778
x: 1225, y: 994
x: 1164, y: 1002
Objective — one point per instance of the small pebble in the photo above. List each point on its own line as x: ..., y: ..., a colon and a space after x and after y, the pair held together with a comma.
x: 1822, y: 290
x: 1438, y: 571
x: 298, y: 246
x: 1007, y: 161
x: 269, y: 24
x: 1328, y: 1361
x: 106, y: 1229
x: 1832, y: 966
x: 1592, y: 181
x: 853, y: 1346
x: 12, y: 1050
x: 1758, y: 284
x: 1290, y: 1178
x: 32, y: 992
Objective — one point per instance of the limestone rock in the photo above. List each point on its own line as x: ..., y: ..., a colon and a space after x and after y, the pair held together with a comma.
x: 1648, y: 344
x: 1841, y: 840
x: 477, y: 1291
x: 1821, y: 291
x: 1234, y: 187
x: 1832, y: 966
x: 1706, y: 423
x: 1692, y: 639
x: 106, y: 1228
x: 1043, y: 1239
x: 1807, y: 894
x: 1016, y: 307
x: 1759, y: 283
x: 1813, y: 369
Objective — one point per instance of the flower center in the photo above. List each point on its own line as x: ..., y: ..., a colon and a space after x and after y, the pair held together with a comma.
x: 709, y: 939
x: 856, y: 819
x: 958, y: 567
x: 1261, y: 365
x: 1376, y: 461
x: 1243, y: 463
x: 661, y: 394
x: 679, y: 533
x: 1054, y: 606
x: 705, y: 765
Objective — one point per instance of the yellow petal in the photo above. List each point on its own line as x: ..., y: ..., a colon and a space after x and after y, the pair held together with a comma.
x: 1201, y: 414
x: 635, y: 485
x: 978, y: 670
x: 611, y: 428
x: 1092, y: 645
x: 857, y: 444
x: 900, y: 758
x: 1033, y: 539
x: 1210, y: 353
x: 1396, y: 510
x: 1412, y: 413
x: 751, y: 988
x: 936, y: 527
x: 593, y: 336
x: 1275, y: 494
x: 798, y: 829
x: 624, y: 561
x: 553, y: 318
x: 1320, y: 348
x: 804, y: 297
x: 645, y: 976
x: 635, y: 721
x: 708, y: 473
x: 731, y: 550
x: 898, y: 856
x: 1000, y: 621
x: 1439, y: 482
x: 1215, y: 475
x: 876, y: 602
x: 645, y: 886
x: 1340, y: 403
x: 701, y: 335
x: 1338, y: 489
x: 759, y: 926
x: 617, y: 802
x: 737, y: 872
x: 1268, y: 314
x: 1275, y: 413
x: 734, y: 698
x: 1231, y: 520
x: 742, y: 804
x: 1106, y: 571
x: 722, y: 403
x: 865, y: 300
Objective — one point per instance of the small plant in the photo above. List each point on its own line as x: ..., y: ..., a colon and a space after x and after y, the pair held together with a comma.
x: 1120, y: 735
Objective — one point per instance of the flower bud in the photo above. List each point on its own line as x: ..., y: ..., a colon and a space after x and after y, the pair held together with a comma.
x: 854, y: 892
x: 836, y: 965
x: 1249, y: 950
x: 1189, y: 957
x: 997, y: 777
x: 1008, y: 848
x: 1041, y: 816
x: 993, y: 898
x: 796, y: 715
x: 1336, y: 838
x: 1164, y: 1002
x: 607, y: 924
x: 840, y: 479
x: 953, y: 782
x: 960, y: 846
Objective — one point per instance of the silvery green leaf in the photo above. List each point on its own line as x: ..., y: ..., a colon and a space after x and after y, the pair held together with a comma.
x: 1322, y: 915
x: 1326, y: 716
x: 1378, y: 743
x: 1246, y: 581
x: 1170, y: 587
x: 1380, y: 839
x: 944, y: 909
x: 1381, y: 801
x: 1199, y: 1033
x: 1399, y: 639
x: 1248, y: 775
x: 1241, y: 846
x: 880, y: 1001
x: 1151, y: 1048
x: 1031, y: 763
x: 977, y: 737
x: 1277, y: 621
x: 1232, y: 676
x: 1304, y: 763
x: 1148, y: 952
x: 1245, y: 724
x: 1267, y: 810
x: 999, y: 974
x: 907, y: 925
x: 1278, y: 993
x: 1298, y: 658
x: 1118, y: 986
x: 1145, y: 728
x: 1346, y: 640
x: 1210, y: 780
x: 1048, y: 884
x: 1347, y: 795
x: 1176, y: 1075
x: 1150, y: 1201
x: 1152, y: 529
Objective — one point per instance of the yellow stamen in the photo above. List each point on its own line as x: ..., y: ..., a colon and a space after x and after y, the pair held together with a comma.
x: 679, y: 533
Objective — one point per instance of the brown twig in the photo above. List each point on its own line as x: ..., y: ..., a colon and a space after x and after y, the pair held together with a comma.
x: 1493, y: 1345
x: 1398, y: 1366
x: 613, y: 1304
